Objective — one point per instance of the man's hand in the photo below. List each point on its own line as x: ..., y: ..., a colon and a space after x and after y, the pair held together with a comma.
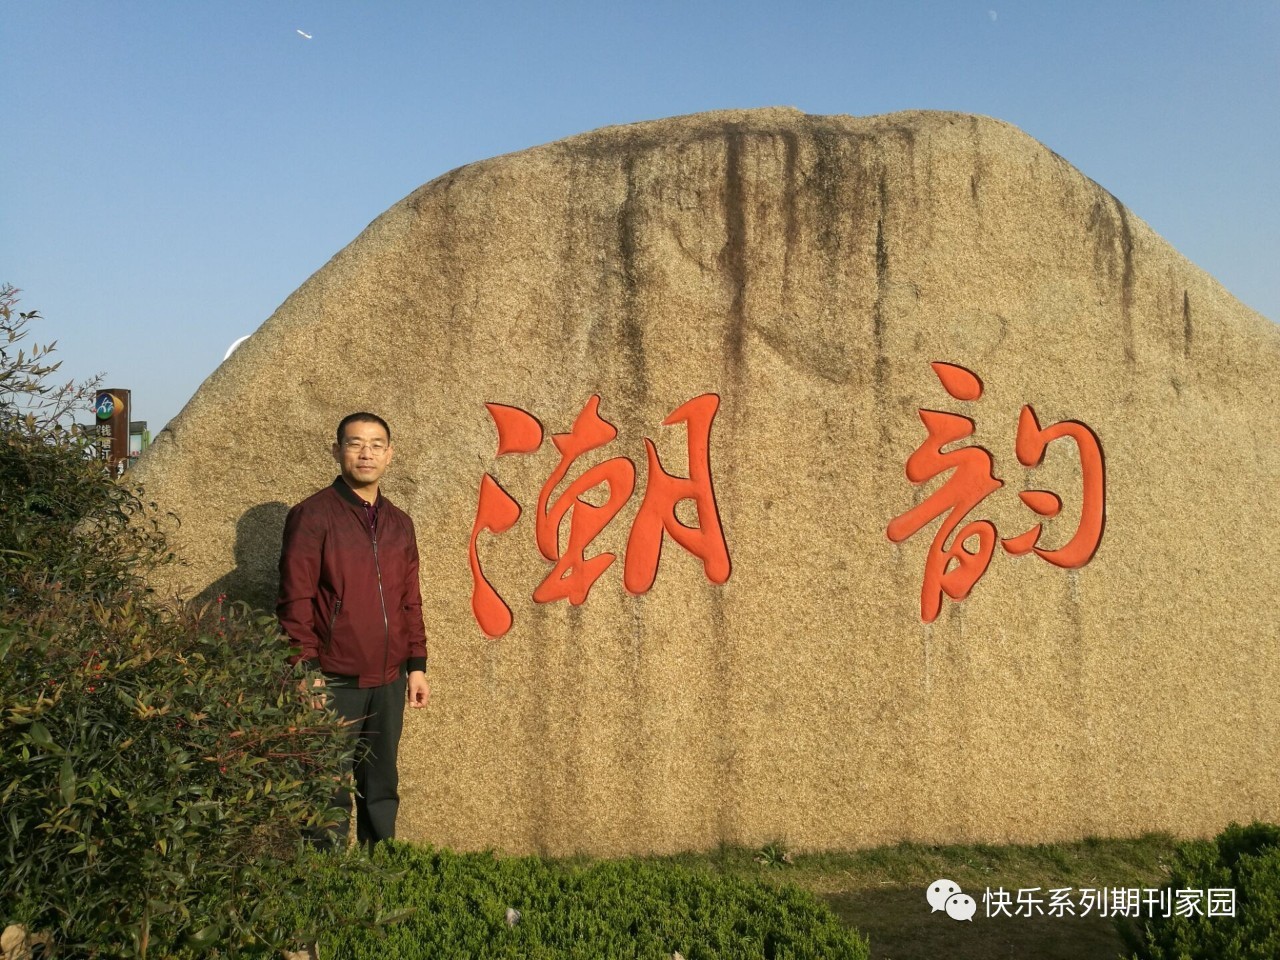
x: 417, y: 690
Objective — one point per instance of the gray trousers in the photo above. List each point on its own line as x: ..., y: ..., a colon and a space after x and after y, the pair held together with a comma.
x: 377, y: 715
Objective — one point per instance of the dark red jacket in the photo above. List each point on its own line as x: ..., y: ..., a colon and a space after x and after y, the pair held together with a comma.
x: 349, y: 597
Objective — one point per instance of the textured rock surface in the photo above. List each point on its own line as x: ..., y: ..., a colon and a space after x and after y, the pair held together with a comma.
x: 807, y: 270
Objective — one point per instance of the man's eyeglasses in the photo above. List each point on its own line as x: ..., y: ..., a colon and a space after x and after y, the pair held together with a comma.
x: 377, y: 448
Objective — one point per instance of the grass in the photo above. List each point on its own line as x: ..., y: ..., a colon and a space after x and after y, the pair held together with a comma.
x: 881, y: 893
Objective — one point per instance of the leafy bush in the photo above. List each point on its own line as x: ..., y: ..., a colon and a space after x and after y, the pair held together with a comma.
x: 159, y: 764
x: 1246, y: 859
x: 60, y: 520
x: 441, y: 904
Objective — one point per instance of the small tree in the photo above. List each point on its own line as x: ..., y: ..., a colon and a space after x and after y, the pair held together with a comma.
x: 159, y: 766
x: 24, y: 388
x: 61, y: 520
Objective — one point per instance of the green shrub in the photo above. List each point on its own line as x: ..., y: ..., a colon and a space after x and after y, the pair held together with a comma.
x: 159, y: 765
x: 159, y: 769
x: 63, y: 523
x: 1246, y: 859
x: 440, y: 904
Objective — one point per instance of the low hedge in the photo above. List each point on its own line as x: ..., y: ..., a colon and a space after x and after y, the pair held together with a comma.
x: 1246, y: 859
x: 434, y: 903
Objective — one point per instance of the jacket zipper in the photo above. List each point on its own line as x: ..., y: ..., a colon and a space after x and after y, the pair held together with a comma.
x: 386, y: 624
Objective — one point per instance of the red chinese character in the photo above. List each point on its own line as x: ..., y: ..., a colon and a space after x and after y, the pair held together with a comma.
x: 497, y: 511
x: 970, y: 482
x: 1031, y: 443
x: 973, y: 480
x: 574, y: 574
x: 658, y: 509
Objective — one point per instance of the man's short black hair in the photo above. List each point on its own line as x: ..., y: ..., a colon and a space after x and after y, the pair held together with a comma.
x: 362, y: 417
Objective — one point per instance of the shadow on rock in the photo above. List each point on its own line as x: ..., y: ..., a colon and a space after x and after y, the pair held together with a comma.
x: 256, y: 577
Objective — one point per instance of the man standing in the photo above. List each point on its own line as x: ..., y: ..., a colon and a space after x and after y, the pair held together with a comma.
x: 351, y: 602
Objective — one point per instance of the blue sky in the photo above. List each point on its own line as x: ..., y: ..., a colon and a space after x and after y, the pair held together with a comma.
x: 172, y: 171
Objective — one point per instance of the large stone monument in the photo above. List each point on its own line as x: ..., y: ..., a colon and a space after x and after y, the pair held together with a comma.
x: 876, y: 478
